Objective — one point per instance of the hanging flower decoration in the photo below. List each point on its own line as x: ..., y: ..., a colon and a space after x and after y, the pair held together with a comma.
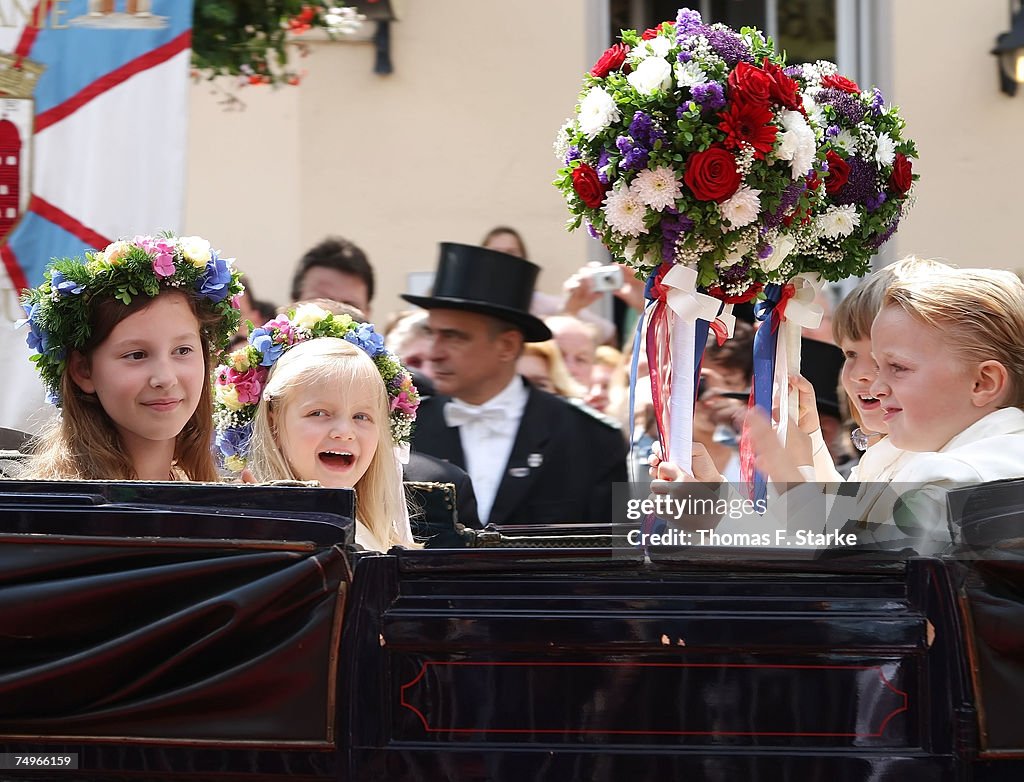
x: 249, y: 39
x: 691, y: 145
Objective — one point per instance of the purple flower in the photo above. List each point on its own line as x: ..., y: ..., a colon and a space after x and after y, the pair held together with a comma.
x: 737, y: 273
x: 592, y: 231
x: 688, y: 23
x: 624, y: 144
x: 848, y: 106
x: 572, y: 154
x: 640, y: 127
x: 602, y: 165
x: 875, y: 202
x: 63, y: 285
x: 215, y: 281
x: 787, y: 201
x: 270, y: 351
x: 684, y: 57
x: 365, y: 338
x: 794, y: 71
x: 883, y: 237
x: 861, y: 184
x: 728, y: 46
x: 235, y: 441
x: 831, y: 131
x: 635, y: 159
x: 710, y: 95
x: 672, y: 226
x: 876, y: 101
x: 765, y: 251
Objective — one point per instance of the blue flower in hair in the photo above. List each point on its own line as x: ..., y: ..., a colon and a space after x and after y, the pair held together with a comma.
x: 63, y: 285
x: 263, y: 341
x: 233, y: 442
x: 215, y: 282
x: 365, y: 338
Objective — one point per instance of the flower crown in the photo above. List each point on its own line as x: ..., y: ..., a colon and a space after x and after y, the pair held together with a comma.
x: 240, y: 382
x: 59, y: 309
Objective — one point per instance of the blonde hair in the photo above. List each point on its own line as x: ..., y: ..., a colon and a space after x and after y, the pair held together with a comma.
x: 852, y: 318
x: 607, y: 356
x: 562, y: 381
x: 83, y: 444
x: 980, y: 313
x: 335, y: 363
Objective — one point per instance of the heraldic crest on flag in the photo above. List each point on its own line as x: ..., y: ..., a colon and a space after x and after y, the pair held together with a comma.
x: 93, y: 112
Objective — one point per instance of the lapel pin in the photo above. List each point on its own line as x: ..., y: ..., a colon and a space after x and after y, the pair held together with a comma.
x: 535, y: 460
x: 519, y: 472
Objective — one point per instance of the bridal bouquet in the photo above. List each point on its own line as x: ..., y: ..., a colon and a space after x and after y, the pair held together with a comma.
x: 691, y: 146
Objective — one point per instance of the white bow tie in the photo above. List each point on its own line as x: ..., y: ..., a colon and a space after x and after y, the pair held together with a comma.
x: 457, y: 413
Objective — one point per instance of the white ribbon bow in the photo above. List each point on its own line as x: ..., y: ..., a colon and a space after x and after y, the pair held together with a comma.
x: 457, y: 413
x: 682, y: 296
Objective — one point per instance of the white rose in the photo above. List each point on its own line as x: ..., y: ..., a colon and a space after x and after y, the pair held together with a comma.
x: 195, y: 249
x: 308, y: 315
x: 598, y: 111
x: 780, y: 251
x: 651, y: 75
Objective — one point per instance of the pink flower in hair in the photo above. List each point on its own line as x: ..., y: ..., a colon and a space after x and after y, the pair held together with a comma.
x: 248, y: 384
x: 404, y: 404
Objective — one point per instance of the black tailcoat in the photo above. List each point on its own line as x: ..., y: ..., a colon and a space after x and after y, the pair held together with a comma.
x: 562, y: 466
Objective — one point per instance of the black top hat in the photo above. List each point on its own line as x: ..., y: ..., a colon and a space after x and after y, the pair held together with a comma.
x: 822, y: 363
x: 476, y: 279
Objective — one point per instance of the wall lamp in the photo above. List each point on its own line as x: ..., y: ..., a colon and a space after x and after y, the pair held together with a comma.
x: 383, y: 13
x: 1010, y: 51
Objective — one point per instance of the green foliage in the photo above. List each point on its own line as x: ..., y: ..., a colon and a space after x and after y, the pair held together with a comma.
x: 250, y: 38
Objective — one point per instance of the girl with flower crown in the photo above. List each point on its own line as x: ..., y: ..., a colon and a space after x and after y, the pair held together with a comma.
x: 125, y: 344
x: 316, y: 397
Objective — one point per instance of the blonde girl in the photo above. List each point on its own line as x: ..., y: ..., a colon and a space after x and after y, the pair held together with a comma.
x: 125, y: 342
x: 316, y: 397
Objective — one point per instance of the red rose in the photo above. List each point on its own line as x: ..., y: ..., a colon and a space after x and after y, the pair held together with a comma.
x: 902, y: 176
x: 750, y: 122
x: 652, y: 32
x: 712, y: 174
x: 838, y: 173
x: 588, y: 186
x: 610, y: 61
x: 841, y: 83
x: 749, y: 84
x: 784, y: 90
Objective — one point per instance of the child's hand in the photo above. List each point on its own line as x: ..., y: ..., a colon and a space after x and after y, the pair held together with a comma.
x: 772, y: 458
x: 247, y: 476
x: 808, y: 421
x: 702, y: 466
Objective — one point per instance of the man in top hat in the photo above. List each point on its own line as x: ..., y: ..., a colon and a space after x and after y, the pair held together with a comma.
x: 534, y: 458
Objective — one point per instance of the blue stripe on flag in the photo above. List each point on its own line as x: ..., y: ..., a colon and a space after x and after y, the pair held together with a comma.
x: 35, y: 240
x: 77, y: 56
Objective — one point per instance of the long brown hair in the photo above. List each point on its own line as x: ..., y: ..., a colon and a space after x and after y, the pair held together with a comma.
x: 84, y: 445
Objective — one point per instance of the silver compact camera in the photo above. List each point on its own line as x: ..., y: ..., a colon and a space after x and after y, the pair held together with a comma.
x: 605, y: 279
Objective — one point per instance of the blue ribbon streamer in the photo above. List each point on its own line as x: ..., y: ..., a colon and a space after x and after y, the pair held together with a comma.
x: 766, y: 340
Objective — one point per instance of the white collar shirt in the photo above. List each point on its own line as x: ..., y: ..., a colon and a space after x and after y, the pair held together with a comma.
x: 488, y: 433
